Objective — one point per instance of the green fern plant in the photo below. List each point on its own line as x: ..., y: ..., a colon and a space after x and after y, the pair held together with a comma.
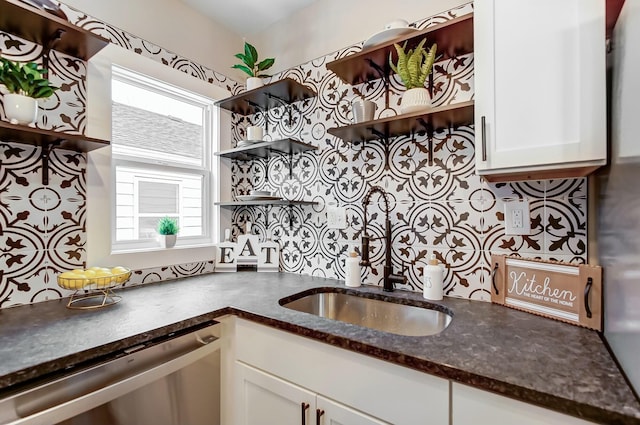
x: 26, y: 79
x: 250, y: 64
x: 414, y: 66
x: 168, y: 226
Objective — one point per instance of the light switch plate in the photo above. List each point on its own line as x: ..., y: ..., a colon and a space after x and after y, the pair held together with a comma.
x: 336, y: 217
x: 517, y: 220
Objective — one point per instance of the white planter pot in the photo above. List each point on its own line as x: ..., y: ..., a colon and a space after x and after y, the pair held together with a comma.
x: 167, y: 241
x: 254, y: 83
x: 20, y: 109
x: 415, y: 100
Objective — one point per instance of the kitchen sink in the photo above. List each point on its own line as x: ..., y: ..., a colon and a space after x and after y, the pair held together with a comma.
x: 386, y: 316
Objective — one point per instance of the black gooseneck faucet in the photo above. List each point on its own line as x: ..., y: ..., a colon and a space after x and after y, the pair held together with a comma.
x: 389, y: 277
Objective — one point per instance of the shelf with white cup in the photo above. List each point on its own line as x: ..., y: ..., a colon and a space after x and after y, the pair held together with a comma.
x: 266, y: 149
x: 428, y: 122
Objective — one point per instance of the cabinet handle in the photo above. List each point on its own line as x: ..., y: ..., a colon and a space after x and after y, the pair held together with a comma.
x: 493, y: 278
x: 304, y: 406
x: 319, y: 414
x: 587, y: 290
x: 484, y: 138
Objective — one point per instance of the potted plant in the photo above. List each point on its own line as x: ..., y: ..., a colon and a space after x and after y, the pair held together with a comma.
x: 25, y: 84
x: 252, y: 67
x: 413, y: 67
x: 168, y: 231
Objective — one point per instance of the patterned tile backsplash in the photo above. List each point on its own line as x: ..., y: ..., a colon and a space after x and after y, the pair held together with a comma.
x: 438, y: 206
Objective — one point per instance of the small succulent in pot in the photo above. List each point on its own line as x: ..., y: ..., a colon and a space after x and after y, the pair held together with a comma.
x: 168, y: 230
x: 168, y: 226
x: 252, y: 66
x: 413, y: 67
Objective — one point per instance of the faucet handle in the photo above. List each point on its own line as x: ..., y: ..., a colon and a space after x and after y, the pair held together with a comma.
x: 403, y: 272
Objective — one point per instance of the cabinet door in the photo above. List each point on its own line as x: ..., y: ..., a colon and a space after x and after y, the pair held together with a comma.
x: 337, y: 414
x: 266, y: 400
x: 540, y: 88
x: 471, y: 406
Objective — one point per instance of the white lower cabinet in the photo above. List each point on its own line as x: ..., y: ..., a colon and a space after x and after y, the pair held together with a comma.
x: 268, y: 400
x: 275, y: 372
x: 471, y: 406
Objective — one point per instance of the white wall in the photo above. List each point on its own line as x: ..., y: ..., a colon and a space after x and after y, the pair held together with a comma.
x: 312, y: 32
x: 329, y: 25
x: 170, y: 24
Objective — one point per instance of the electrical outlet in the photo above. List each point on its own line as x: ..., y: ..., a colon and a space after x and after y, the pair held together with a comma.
x: 336, y: 218
x: 517, y: 219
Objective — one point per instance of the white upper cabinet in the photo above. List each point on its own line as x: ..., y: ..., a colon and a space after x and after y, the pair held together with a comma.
x: 540, y: 82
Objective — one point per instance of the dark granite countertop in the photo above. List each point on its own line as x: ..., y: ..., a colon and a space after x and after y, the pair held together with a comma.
x: 529, y: 358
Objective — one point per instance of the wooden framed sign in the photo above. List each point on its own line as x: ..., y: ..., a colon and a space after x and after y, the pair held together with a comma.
x: 571, y: 293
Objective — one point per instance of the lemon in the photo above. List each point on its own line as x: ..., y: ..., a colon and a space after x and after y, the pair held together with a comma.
x: 118, y: 270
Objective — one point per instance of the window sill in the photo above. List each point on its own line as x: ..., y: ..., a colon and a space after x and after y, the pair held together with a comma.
x: 160, y: 249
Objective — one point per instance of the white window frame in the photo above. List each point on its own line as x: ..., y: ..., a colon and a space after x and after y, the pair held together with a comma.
x: 99, y: 161
x: 125, y: 156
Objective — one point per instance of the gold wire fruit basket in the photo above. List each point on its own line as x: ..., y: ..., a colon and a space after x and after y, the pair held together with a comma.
x: 93, y: 287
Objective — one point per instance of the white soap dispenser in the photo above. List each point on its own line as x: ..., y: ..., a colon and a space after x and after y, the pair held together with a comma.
x: 352, y: 270
x: 433, y: 279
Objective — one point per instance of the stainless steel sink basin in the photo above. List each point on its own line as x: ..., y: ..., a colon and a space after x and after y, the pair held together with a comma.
x: 376, y: 314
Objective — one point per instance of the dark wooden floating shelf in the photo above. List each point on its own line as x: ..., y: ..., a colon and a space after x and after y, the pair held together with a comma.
x: 269, y: 96
x: 267, y: 149
x: 283, y: 202
x: 436, y: 119
x: 454, y: 38
x: 42, y: 27
x: 37, y: 137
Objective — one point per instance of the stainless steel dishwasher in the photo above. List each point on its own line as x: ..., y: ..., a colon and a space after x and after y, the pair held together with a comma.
x: 174, y: 380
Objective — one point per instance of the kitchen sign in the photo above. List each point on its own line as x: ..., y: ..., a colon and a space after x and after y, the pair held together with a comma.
x: 571, y: 293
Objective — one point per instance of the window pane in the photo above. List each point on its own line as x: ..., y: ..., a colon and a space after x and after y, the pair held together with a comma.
x: 160, y: 146
x: 144, y: 195
x: 159, y: 198
x: 147, y: 130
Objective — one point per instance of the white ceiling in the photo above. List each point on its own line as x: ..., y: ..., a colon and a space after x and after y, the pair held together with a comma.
x: 247, y: 17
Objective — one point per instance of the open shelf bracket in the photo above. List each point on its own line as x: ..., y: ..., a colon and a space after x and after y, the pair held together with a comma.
x: 429, y: 129
x: 47, y: 148
x: 264, y: 112
x: 284, y: 103
x: 384, y: 139
x: 48, y: 46
x: 385, y: 73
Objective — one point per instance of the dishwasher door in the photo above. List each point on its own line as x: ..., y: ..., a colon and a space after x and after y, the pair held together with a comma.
x: 190, y: 396
x: 173, y: 380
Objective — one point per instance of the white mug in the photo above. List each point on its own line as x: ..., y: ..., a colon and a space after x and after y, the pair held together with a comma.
x: 254, y: 132
x: 363, y: 110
